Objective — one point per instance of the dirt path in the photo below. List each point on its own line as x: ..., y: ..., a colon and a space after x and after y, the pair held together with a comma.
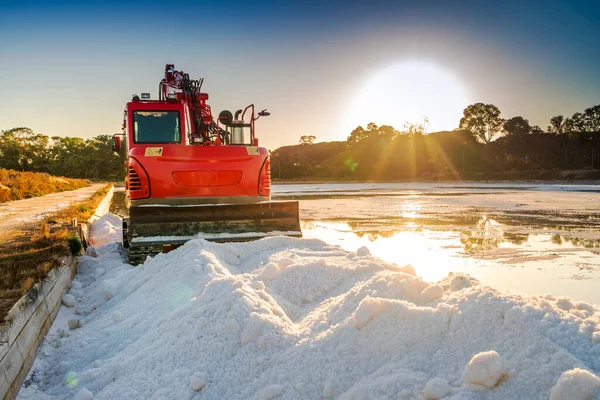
x: 20, y: 216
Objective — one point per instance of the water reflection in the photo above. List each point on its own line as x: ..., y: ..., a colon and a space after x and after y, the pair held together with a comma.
x: 575, y: 241
x: 485, y: 235
x: 532, y: 262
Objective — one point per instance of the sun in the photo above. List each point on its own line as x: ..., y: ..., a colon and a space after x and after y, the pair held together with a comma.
x: 408, y: 91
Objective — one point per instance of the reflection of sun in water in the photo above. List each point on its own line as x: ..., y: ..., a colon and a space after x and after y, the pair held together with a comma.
x: 425, y: 250
x: 408, y: 91
x: 410, y: 210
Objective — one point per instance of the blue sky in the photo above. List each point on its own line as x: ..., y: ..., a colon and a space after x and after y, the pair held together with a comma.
x: 68, y: 68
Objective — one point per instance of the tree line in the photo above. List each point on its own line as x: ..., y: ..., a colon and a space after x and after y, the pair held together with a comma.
x: 370, y: 153
x: 568, y: 148
x: 21, y: 149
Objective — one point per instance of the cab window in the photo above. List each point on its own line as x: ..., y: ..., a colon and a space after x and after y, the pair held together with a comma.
x: 156, y: 127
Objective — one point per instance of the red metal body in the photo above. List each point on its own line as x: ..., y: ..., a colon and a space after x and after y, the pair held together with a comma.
x: 198, y: 168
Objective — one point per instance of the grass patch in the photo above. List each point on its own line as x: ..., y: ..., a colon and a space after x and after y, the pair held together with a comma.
x: 15, y: 185
x: 31, y: 258
x: 82, y: 210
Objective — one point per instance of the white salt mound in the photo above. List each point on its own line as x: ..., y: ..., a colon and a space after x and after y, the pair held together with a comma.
x: 435, y: 389
x: 331, y: 324
x: 485, y: 369
x: 76, y: 285
x: 107, y: 229
x: 576, y: 384
x: 69, y: 300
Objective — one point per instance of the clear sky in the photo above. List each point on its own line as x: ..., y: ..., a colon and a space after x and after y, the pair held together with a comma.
x: 319, y: 67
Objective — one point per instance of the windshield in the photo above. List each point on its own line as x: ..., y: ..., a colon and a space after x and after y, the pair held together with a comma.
x: 156, y: 127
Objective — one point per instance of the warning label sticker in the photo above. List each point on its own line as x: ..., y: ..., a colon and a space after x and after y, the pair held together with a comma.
x: 153, y: 151
x: 252, y: 150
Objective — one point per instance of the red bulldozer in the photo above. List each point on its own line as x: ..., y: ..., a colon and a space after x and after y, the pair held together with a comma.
x: 190, y: 175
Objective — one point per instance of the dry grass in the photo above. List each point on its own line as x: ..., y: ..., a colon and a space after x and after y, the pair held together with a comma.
x: 31, y: 258
x: 29, y: 262
x: 15, y: 185
x: 82, y: 211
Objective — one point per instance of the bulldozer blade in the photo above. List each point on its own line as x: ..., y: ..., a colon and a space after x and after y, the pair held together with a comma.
x: 155, y: 228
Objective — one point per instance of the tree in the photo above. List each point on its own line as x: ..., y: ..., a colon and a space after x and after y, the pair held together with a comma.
x: 307, y: 139
x: 416, y: 129
x: 359, y: 134
x: 578, y: 122
x: 517, y: 126
x: 557, y: 124
x: 568, y: 125
x: 536, y: 130
x: 22, y: 149
x: 591, y: 117
x: 483, y: 120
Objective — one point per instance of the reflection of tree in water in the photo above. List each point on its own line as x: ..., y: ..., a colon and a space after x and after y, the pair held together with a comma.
x: 516, y: 238
x: 575, y: 241
x: 556, y: 239
x: 486, y: 235
x: 372, y: 236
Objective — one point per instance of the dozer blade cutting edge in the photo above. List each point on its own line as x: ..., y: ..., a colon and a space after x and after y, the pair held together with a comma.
x: 153, y: 229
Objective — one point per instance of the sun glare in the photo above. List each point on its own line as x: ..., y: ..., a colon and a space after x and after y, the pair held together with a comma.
x: 408, y: 92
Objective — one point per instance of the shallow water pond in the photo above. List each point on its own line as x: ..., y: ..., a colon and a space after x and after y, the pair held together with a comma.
x: 529, y: 238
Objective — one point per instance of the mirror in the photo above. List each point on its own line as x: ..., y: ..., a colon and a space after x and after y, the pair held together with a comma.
x: 116, y: 141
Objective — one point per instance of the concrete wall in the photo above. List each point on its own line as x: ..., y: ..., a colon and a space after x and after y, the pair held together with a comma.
x: 28, y: 321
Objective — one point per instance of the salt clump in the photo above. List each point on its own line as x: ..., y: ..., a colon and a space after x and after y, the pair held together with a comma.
x: 431, y: 293
x: 118, y: 316
x: 270, y: 272
x: 74, y: 323
x: 109, y: 292
x: 198, y: 382
x: 271, y: 392
x: 576, y: 384
x: 69, y: 300
x: 564, y: 303
x: 435, y: 389
x: 368, y: 309
x: 91, y: 252
x: 459, y: 282
x: 485, y: 369
x: 363, y: 251
x: 284, y: 263
x: 84, y: 394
